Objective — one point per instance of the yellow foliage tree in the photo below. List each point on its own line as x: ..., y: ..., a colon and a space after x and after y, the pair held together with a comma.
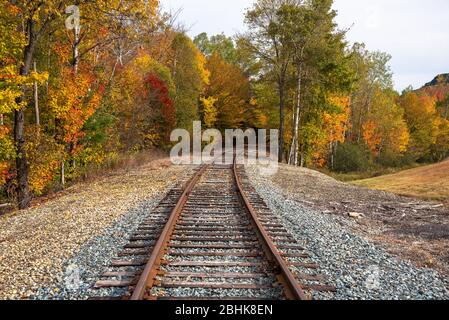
x: 385, y: 130
x: 333, y: 126
x: 210, y: 112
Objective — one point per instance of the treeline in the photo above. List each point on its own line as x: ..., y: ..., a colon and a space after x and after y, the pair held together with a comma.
x: 79, y: 96
x: 79, y: 91
x: 336, y: 104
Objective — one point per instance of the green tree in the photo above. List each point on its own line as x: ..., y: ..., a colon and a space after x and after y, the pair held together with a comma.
x: 385, y: 130
x: 268, y: 39
x: 320, y: 65
x: 352, y: 157
x: 220, y: 44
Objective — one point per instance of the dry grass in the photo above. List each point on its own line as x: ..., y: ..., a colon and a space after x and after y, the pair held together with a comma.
x: 428, y: 182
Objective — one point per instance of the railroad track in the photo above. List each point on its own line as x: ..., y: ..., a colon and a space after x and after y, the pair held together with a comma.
x: 215, y: 238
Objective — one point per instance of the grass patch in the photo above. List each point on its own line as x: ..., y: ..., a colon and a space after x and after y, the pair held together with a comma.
x: 429, y: 182
x: 371, y: 173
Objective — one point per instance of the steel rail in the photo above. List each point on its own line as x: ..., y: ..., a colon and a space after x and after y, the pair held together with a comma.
x: 147, y: 279
x: 293, y: 289
x: 150, y: 271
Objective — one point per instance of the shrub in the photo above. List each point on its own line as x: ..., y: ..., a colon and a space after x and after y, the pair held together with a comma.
x: 394, y: 160
x: 351, y: 157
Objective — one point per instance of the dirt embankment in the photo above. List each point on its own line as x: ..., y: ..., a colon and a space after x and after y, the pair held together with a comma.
x: 413, y: 229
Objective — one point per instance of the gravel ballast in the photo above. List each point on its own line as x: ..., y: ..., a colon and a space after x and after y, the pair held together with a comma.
x: 358, y: 268
x: 57, y: 249
x: 85, y: 267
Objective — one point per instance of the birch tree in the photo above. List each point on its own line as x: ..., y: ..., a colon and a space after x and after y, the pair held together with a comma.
x: 268, y: 39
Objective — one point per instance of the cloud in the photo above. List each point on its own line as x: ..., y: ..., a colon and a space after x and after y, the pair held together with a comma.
x: 211, y: 16
x: 414, y: 32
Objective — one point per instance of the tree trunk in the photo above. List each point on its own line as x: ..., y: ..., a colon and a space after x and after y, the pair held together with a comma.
x: 302, y: 158
x: 111, y: 79
x: 36, y: 100
x: 62, y: 174
x: 332, y: 152
x: 76, y: 42
x: 23, y: 191
x: 281, y: 119
x: 298, y: 134
x: 75, y: 64
x: 295, y: 144
x: 1, y: 120
x: 359, y: 133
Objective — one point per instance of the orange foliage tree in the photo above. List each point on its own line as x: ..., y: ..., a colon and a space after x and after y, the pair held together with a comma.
x: 331, y: 131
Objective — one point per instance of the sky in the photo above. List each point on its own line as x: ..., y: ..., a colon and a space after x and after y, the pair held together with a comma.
x: 414, y: 32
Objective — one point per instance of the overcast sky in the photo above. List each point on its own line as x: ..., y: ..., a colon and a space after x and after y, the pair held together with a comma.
x: 414, y: 32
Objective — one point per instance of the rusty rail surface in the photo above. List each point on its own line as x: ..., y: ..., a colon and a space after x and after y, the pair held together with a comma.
x: 149, y: 273
x: 286, y: 277
x: 194, y: 232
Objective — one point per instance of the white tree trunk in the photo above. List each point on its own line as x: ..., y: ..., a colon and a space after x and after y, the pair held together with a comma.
x: 291, y: 159
x: 63, y: 174
x: 294, y: 150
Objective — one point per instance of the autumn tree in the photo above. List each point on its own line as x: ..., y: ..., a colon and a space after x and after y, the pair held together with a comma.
x: 385, y: 131
x: 190, y: 75
x: 143, y: 104
x: 421, y: 117
x: 440, y: 150
x: 32, y: 22
x: 372, y: 74
x: 320, y: 64
x: 220, y: 44
x: 209, y: 111
x: 230, y: 90
x: 267, y: 38
x: 443, y: 107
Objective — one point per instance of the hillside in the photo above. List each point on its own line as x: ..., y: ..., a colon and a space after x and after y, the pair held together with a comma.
x: 428, y: 182
x: 438, y: 87
x: 441, y: 79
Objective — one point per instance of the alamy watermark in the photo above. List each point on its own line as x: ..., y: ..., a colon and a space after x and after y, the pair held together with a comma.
x: 372, y: 281
x: 72, y: 277
x: 73, y: 22
x: 250, y: 147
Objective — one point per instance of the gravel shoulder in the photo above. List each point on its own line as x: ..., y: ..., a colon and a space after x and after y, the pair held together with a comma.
x: 410, y: 228
x: 55, y: 249
x: 351, y: 252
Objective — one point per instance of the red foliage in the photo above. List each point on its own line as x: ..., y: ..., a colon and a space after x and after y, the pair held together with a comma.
x: 7, y: 173
x: 160, y: 91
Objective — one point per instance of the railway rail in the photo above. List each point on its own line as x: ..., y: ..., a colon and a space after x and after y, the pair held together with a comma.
x: 214, y: 238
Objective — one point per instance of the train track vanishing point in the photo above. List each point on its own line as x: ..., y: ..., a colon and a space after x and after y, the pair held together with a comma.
x: 213, y: 239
